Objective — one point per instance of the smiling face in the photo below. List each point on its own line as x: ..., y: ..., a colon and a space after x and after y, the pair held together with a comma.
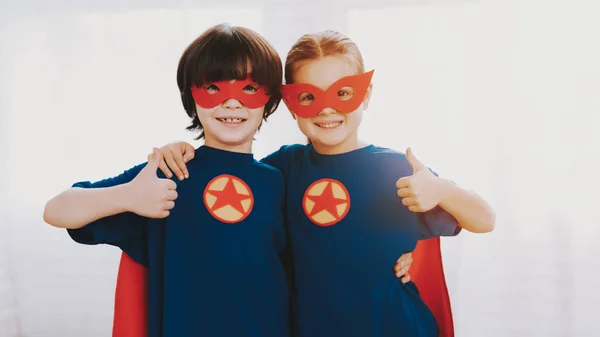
x: 330, y: 131
x: 230, y: 125
x: 229, y: 80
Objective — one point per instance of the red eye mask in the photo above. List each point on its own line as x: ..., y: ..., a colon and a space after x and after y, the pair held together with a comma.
x: 298, y: 98
x: 228, y: 90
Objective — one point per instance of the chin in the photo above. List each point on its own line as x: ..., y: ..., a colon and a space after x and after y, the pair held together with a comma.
x: 330, y: 140
x: 234, y: 141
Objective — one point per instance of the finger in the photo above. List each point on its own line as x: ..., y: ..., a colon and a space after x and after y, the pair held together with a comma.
x: 415, y: 209
x: 401, y: 272
x: 181, y: 164
x: 172, y: 165
x: 170, y: 184
x: 405, y: 192
x: 154, y: 160
x: 164, y: 214
x: 409, y: 202
x: 406, y: 278
x: 404, y: 182
x: 165, y: 169
x: 172, y: 195
x: 162, y: 166
x: 398, y: 266
x: 403, y: 259
x: 413, y: 161
x: 169, y: 205
x: 189, y: 152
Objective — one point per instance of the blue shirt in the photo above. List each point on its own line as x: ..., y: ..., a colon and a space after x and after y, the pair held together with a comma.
x: 214, y: 263
x: 347, y: 228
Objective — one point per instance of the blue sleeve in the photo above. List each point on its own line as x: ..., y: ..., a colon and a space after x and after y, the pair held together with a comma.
x: 437, y: 222
x: 125, y: 230
x: 283, y: 158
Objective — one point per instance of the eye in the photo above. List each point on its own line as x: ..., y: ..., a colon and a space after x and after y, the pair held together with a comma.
x: 211, y: 89
x: 345, y: 93
x: 306, y: 98
x: 250, y: 89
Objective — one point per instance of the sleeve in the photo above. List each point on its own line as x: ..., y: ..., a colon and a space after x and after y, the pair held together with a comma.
x: 282, y: 159
x: 277, y: 159
x: 437, y: 222
x: 125, y: 230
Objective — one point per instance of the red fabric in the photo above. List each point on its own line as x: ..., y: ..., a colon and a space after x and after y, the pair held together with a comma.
x: 427, y: 271
x: 321, y: 99
x: 131, y: 300
x: 227, y: 90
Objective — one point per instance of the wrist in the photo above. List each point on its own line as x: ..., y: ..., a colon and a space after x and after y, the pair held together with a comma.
x: 445, y: 190
x: 124, y: 197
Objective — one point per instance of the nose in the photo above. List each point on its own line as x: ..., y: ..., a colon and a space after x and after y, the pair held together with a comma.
x: 327, y: 111
x: 232, y: 104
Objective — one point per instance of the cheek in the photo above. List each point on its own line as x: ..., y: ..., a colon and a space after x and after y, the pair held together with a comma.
x: 257, y: 114
x: 304, y: 124
x: 203, y: 113
x: 353, y: 119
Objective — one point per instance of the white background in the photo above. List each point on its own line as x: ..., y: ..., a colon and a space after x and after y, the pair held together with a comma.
x: 500, y: 96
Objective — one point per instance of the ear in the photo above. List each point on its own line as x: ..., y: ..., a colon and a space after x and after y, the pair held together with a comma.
x: 367, y: 97
x: 290, y: 110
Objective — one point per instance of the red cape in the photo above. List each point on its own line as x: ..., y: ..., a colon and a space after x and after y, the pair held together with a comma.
x: 131, y: 300
x: 427, y: 271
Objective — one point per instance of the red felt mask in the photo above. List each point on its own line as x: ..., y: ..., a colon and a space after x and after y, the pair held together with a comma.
x: 345, y: 95
x: 226, y: 90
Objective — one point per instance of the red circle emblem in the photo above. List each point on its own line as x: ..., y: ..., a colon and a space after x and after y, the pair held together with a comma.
x: 228, y: 198
x: 326, y: 202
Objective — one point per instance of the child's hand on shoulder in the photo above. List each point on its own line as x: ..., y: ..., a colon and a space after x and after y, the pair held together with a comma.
x: 174, y: 157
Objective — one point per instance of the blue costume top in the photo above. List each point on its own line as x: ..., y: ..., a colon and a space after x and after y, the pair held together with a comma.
x: 347, y: 228
x: 214, y: 263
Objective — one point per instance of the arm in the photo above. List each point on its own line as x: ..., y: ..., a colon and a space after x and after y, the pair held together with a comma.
x: 77, y: 207
x: 176, y: 155
x: 426, y: 193
x: 138, y: 190
x: 469, y: 209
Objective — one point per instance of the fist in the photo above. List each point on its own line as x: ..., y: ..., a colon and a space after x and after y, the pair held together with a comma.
x: 151, y: 196
x: 419, y: 191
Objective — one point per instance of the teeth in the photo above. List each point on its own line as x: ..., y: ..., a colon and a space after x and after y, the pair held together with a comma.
x: 231, y: 120
x: 330, y: 125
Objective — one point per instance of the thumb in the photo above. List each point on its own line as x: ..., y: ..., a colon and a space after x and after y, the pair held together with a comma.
x: 413, y: 161
x: 154, y: 160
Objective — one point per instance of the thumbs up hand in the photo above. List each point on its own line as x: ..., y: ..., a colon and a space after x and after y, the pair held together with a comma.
x: 421, y: 190
x: 151, y: 196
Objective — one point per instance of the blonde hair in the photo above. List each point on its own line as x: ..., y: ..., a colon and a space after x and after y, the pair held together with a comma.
x: 319, y: 45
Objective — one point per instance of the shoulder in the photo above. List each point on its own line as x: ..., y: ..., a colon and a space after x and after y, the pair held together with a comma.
x: 286, y: 156
x: 390, y: 159
x: 267, y: 170
x: 290, y: 150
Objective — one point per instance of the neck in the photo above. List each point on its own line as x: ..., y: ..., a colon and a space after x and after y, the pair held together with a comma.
x: 245, y: 147
x: 346, y: 146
